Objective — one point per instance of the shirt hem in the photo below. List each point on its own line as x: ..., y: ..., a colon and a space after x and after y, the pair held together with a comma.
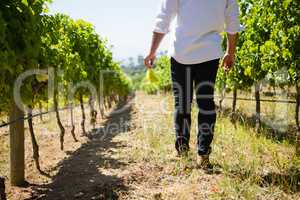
x: 196, y: 61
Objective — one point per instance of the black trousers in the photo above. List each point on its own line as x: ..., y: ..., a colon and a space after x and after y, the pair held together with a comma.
x: 185, y: 79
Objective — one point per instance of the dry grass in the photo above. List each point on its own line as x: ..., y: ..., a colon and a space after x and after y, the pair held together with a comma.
x: 247, y: 165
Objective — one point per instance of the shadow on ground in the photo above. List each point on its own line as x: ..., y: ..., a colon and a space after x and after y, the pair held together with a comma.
x: 80, y: 175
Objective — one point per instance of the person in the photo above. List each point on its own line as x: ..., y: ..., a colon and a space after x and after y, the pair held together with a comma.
x: 195, y: 54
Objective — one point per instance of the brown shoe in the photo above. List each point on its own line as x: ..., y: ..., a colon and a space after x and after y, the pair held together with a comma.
x: 203, y: 162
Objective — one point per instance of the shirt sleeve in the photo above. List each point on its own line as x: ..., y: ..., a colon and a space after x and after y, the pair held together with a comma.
x: 167, y: 13
x: 232, y: 22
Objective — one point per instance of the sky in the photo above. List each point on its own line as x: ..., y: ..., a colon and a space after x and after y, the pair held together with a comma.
x: 127, y: 24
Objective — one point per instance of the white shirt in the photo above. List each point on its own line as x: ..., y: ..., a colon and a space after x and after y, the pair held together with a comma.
x: 199, y: 24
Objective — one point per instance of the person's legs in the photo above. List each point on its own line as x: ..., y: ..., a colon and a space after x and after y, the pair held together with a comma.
x: 182, y: 90
x: 204, y: 76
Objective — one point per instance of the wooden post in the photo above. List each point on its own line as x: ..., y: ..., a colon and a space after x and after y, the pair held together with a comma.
x: 93, y: 112
x: 83, y: 115
x: 41, y: 110
x: 297, y: 120
x: 258, y: 107
x: 2, y: 189
x: 17, y: 153
x: 234, y: 100
x: 100, y: 102
x: 297, y: 107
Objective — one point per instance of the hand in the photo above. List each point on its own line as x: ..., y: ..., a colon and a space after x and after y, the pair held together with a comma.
x: 228, y: 62
x: 149, y: 60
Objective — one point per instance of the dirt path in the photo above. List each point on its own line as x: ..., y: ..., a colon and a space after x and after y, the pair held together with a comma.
x: 156, y: 172
x: 83, y: 174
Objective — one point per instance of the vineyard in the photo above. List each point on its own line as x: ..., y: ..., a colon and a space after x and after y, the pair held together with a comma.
x: 62, y: 94
x: 53, y: 56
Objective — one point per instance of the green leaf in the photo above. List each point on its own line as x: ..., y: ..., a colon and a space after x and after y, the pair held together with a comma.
x: 25, y: 2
